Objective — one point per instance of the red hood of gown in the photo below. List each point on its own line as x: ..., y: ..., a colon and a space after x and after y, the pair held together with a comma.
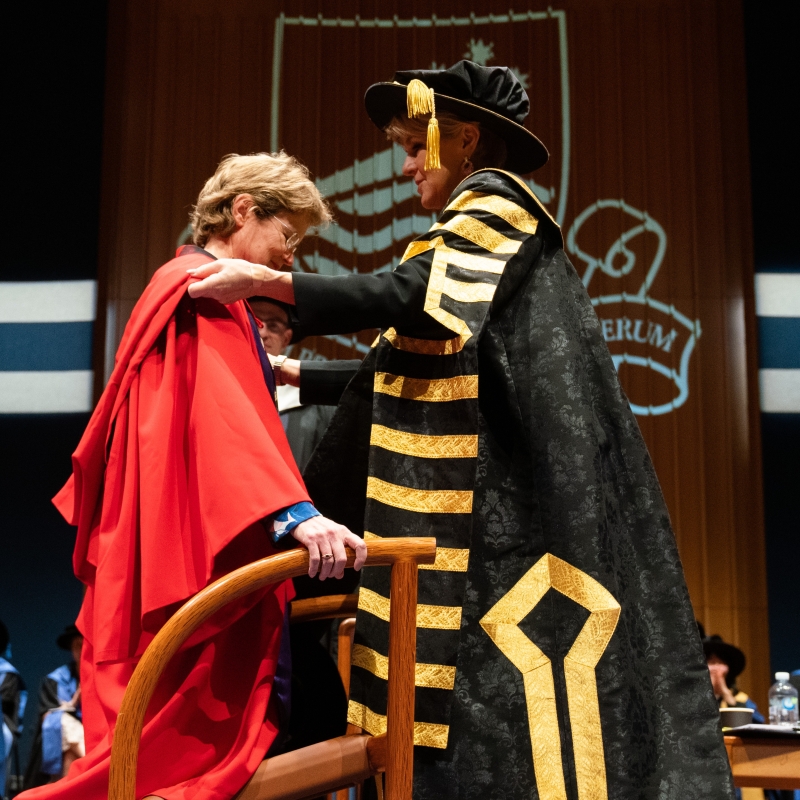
x: 184, y: 451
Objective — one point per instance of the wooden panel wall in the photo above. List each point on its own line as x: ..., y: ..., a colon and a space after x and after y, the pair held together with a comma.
x: 642, y: 104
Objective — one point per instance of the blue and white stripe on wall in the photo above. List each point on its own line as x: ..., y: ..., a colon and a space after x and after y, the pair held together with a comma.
x: 778, y: 310
x: 46, y: 346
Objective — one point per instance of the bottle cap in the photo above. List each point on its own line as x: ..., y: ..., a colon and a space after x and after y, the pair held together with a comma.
x: 781, y: 676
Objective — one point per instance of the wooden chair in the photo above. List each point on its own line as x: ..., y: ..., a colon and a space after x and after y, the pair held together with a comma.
x: 320, y: 768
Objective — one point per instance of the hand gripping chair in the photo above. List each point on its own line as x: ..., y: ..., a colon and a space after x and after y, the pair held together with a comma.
x: 320, y: 768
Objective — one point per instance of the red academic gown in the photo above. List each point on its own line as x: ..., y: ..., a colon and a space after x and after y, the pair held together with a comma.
x: 182, y: 458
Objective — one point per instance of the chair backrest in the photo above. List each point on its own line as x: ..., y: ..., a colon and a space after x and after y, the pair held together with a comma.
x: 403, y: 555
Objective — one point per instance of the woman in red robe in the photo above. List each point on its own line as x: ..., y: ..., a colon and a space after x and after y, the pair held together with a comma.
x: 184, y: 474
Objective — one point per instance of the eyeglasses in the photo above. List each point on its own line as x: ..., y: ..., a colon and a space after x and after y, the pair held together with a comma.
x: 275, y: 326
x: 292, y: 239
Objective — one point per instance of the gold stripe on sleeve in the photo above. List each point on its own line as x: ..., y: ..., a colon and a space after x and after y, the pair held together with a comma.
x: 422, y: 446
x: 479, y: 233
x: 513, y: 214
x: 448, y: 559
x: 439, y: 283
x: 415, y: 248
x: 436, y: 390
x: 426, y: 734
x: 470, y: 261
x: 423, y: 501
x: 444, y: 618
x: 425, y: 347
x: 468, y: 292
x: 429, y: 676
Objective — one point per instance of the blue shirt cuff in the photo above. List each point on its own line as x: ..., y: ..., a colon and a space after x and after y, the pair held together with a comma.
x: 286, y: 521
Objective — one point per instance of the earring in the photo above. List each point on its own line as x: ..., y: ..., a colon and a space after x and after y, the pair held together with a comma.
x: 467, y: 165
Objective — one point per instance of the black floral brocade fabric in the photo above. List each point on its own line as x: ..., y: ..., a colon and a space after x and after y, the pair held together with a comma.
x: 562, y: 469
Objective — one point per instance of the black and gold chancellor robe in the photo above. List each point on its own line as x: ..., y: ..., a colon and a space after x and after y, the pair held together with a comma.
x: 558, y: 656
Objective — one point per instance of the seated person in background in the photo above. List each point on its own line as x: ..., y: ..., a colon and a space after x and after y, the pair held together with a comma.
x: 304, y: 420
x: 13, y: 697
x: 725, y: 663
x: 58, y: 740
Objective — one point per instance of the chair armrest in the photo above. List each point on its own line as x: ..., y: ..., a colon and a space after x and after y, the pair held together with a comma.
x: 331, y: 606
x: 240, y: 582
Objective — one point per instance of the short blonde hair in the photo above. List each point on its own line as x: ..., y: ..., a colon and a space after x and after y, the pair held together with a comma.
x: 276, y: 182
x: 491, y: 150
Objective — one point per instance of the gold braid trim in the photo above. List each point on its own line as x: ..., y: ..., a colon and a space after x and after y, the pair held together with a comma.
x: 513, y: 214
x: 468, y: 292
x: 472, y: 261
x: 426, y: 734
x: 434, y: 390
x: 415, y: 248
x: 448, y: 559
x: 425, y: 347
x: 422, y: 446
x: 429, y: 676
x: 479, y: 233
x: 501, y: 623
x: 423, y: 501
x: 445, y: 618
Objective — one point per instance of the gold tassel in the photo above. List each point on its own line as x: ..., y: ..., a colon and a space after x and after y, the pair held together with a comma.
x: 432, y: 155
x: 419, y: 101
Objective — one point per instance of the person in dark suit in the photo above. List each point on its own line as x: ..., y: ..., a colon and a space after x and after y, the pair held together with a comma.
x: 557, y: 653
x: 305, y: 421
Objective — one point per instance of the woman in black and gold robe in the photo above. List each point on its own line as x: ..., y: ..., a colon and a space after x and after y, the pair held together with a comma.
x: 558, y: 655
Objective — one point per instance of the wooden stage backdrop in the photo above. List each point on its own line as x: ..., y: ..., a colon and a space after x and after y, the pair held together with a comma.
x: 642, y: 105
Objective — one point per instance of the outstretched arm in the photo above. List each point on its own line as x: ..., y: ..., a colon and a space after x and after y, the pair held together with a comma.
x: 328, y: 304
x: 230, y: 279
x: 320, y: 382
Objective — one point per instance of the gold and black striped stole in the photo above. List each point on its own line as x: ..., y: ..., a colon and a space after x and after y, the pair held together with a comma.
x: 423, y: 456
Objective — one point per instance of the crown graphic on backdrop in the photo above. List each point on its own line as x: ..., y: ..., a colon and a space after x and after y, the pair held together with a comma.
x: 640, y: 330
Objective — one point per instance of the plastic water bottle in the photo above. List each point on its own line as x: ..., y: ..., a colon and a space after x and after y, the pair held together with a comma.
x: 782, y: 701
